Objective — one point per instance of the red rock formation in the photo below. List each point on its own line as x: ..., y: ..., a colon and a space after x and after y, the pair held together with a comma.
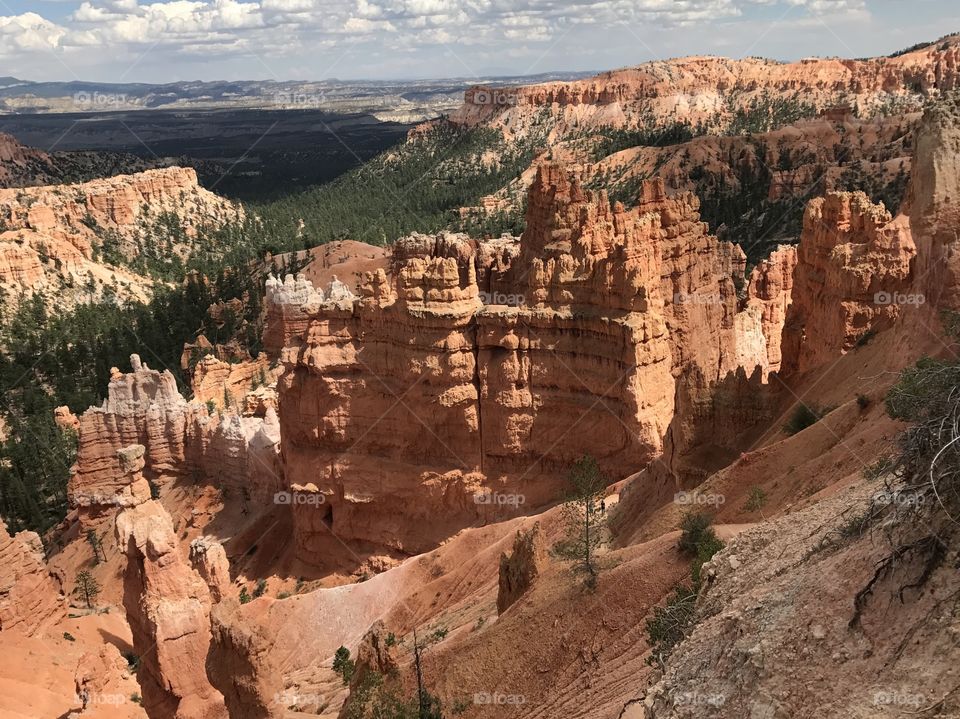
x: 519, y: 570
x: 179, y: 439
x: 932, y: 207
x: 48, y: 234
x: 769, y: 295
x: 142, y: 408
x: 695, y: 89
x: 215, y: 381
x: 462, y: 384
x: 374, y: 654
x: 168, y: 608
x: 96, y: 680
x: 242, y: 664
x: 66, y: 419
x: 852, y: 276
x: 242, y: 454
x: 30, y: 599
x: 209, y: 559
x: 21, y: 165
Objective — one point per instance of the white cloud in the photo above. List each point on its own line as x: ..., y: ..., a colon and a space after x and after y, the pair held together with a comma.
x: 28, y: 33
x: 281, y: 31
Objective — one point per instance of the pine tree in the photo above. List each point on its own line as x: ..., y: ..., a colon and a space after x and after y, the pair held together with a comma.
x: 87, y: 587
x: 584, y: 515
x: 97, y: 545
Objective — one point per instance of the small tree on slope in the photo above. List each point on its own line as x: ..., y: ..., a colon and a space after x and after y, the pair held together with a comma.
x: 86, y: 586
x: 585, y: 519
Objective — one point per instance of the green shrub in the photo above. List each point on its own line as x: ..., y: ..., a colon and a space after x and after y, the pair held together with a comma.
x: 343, y: 664
x: 802, y: 417
x: 261, y: 588
x: 695, y: 531
x: 671, y: 622
x: 755, y: 500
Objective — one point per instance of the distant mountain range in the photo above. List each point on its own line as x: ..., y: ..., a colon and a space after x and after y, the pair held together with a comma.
x: 401, y: 101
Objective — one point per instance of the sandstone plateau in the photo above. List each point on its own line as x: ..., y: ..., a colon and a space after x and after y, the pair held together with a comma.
x: 710, y: 89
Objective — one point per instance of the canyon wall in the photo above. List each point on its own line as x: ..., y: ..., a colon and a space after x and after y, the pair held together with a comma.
x: 853, y: 277
x: 30, y: 598
x: 699, y: 89
x: 168, y: 607
x: 72, y: 239
x: 459, y: 386
x: 21, y: 165
x: 931, y: 204
x: 179, y: 440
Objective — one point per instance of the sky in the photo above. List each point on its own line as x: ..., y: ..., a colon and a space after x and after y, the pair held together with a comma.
x: 177, y: 40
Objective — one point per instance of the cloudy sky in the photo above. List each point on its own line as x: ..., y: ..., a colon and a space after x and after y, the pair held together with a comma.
x: 165, y: 41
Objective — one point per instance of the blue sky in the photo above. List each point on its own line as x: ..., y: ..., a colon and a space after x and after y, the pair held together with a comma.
x: 165, y: 41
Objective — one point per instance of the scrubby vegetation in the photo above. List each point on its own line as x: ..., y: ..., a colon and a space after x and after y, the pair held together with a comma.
x: 875, y: 184
x: 64, y: 358
x: 376, y: 696
x: 343, y: 664
x: 918, y: 507
x: 803, y: 416
x: 612, y: 140
x: 415, y: 186
x: 766, y: 113
x: 672, y: 622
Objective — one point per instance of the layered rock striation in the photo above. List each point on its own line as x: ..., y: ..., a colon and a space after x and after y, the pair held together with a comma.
x: 30, y: 598
x: 178, y: 440
x: 459, y: 385
x: 853, y: 276
x: 709, y: 89
x: 168, y: 607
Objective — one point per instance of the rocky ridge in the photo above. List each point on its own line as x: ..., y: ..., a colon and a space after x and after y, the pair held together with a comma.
x: 53, y: 239
x: 711, y: 89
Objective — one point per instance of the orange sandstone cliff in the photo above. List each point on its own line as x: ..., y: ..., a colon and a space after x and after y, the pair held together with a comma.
x: 53, y: 238
x: 456, y: 387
